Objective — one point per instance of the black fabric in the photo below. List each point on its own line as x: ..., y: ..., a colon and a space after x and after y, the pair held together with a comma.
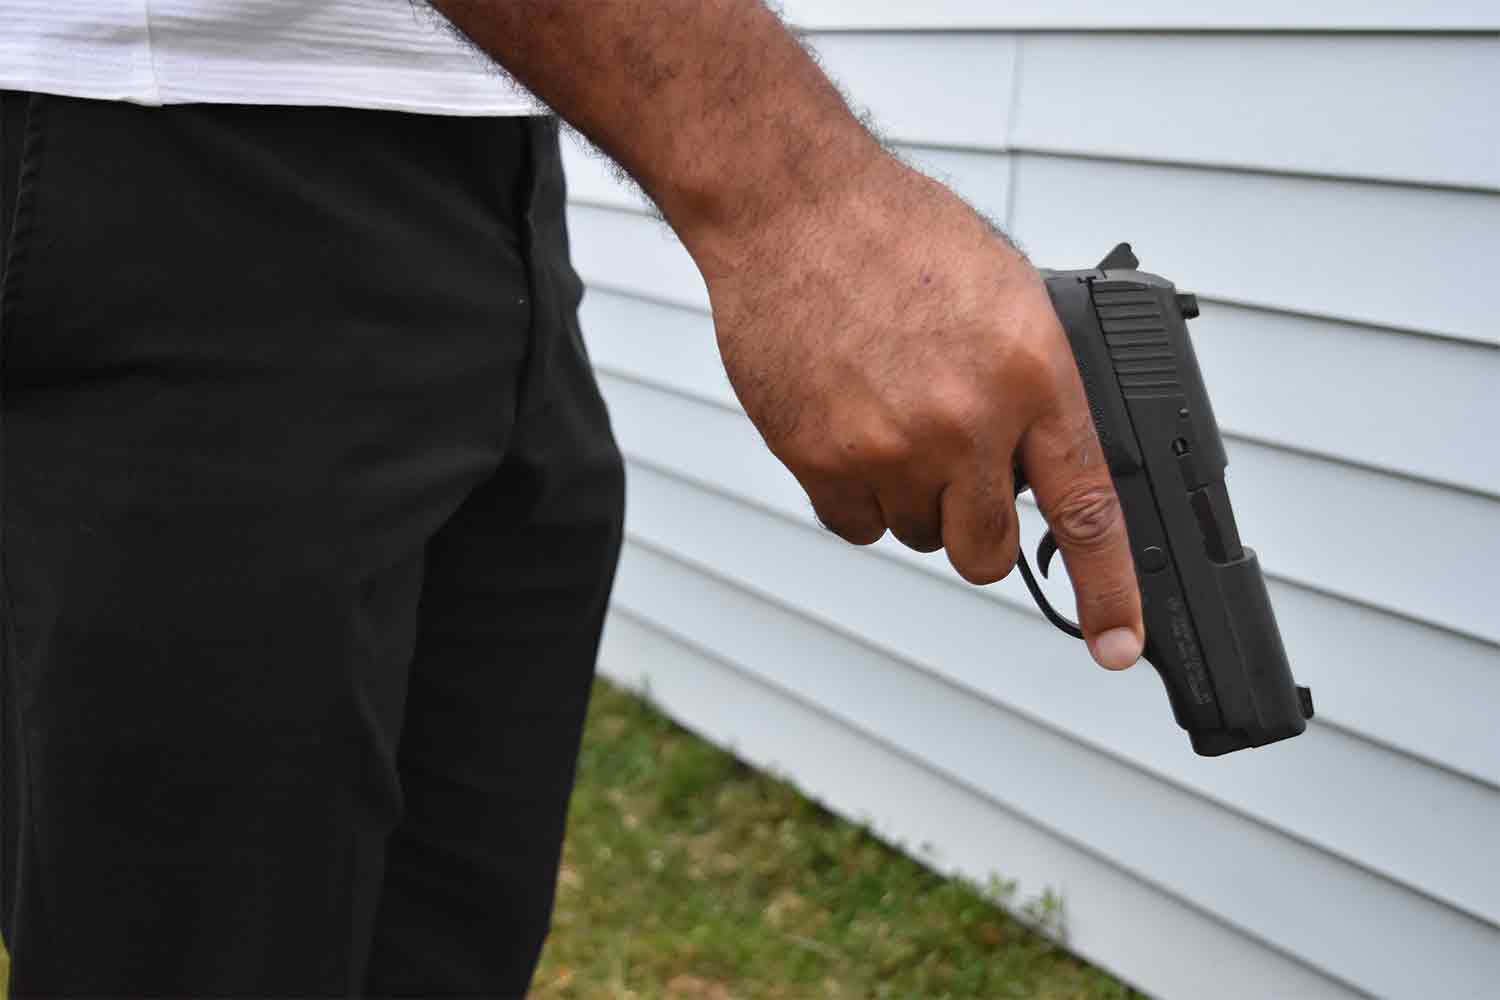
x: 12, y: 126
x: 310, y: 513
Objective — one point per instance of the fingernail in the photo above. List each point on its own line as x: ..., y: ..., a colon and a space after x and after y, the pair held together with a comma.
x: 1116, y: 649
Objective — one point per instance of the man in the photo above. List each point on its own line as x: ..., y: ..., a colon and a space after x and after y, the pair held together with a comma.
x: 310, y: 503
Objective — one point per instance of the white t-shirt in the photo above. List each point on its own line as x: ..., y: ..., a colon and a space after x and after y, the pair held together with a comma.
x: 389, y: 54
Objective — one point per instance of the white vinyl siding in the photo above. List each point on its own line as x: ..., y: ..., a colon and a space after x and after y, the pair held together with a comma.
x: 1328, y: 182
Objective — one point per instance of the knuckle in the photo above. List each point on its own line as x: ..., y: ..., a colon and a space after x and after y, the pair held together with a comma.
x: 1088, y: 518
x: 1031, y: 360
x: 959, y: 407
x: 941, y: 415
x: 880, y: 446
x: 852, y: 455
x: 814, y: 462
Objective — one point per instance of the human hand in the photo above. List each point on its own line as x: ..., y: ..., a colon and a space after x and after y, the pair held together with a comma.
x: 901, y: 358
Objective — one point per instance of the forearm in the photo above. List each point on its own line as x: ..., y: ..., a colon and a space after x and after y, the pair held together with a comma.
x: 711, y: 105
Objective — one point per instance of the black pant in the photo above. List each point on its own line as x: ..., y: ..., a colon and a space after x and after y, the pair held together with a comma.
x: 310, y: 514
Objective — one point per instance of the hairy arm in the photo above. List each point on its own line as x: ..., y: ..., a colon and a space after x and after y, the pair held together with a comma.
x: 711, y: 105
x: 896, y: 353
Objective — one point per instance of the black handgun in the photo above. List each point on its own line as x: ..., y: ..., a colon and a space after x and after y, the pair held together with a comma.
x: 1210, y: 630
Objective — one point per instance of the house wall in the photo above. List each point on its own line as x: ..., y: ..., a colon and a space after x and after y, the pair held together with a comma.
x: 1328, y: 182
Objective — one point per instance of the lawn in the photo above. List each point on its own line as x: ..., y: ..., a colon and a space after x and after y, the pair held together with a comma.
x: 688, y: 875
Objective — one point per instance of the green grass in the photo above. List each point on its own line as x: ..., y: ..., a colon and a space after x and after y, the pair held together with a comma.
x: 688, y: 875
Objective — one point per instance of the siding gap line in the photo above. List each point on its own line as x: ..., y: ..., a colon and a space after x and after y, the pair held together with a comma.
x: 1012, y: 167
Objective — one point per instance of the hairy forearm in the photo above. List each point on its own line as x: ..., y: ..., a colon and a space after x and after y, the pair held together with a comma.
x: 711, y: 105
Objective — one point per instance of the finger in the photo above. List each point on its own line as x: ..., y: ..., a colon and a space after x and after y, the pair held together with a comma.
x: 851, y: 512
x: 1066, y: 468
x: 914, y: 514
x: 979, y: 525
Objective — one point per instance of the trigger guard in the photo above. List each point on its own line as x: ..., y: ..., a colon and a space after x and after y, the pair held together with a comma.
x: 1048, y: 611
x: 1045, y: 550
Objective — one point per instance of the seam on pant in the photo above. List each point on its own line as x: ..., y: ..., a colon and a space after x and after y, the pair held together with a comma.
x: 543, y: 173
x: 23, y: 223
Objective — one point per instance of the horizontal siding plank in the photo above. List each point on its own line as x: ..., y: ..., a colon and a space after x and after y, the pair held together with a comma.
x: 1283, y: 380
x: 668, y: 345
x: 1359, y: 661
x: 1214, y: 15
x: 628, y: 251
x: 1136, y: 930
x: 1402, y: 545
x: 1417, y: 825
x: 1324, y: 105
x: 1190, y: 846
x: 1366, y: 253
x: 911, y: 87
x: 1349, y: 392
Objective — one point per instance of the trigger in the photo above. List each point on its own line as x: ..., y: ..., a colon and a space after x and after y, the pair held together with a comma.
x: 1044, y: 553
x: 1045, y: 550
